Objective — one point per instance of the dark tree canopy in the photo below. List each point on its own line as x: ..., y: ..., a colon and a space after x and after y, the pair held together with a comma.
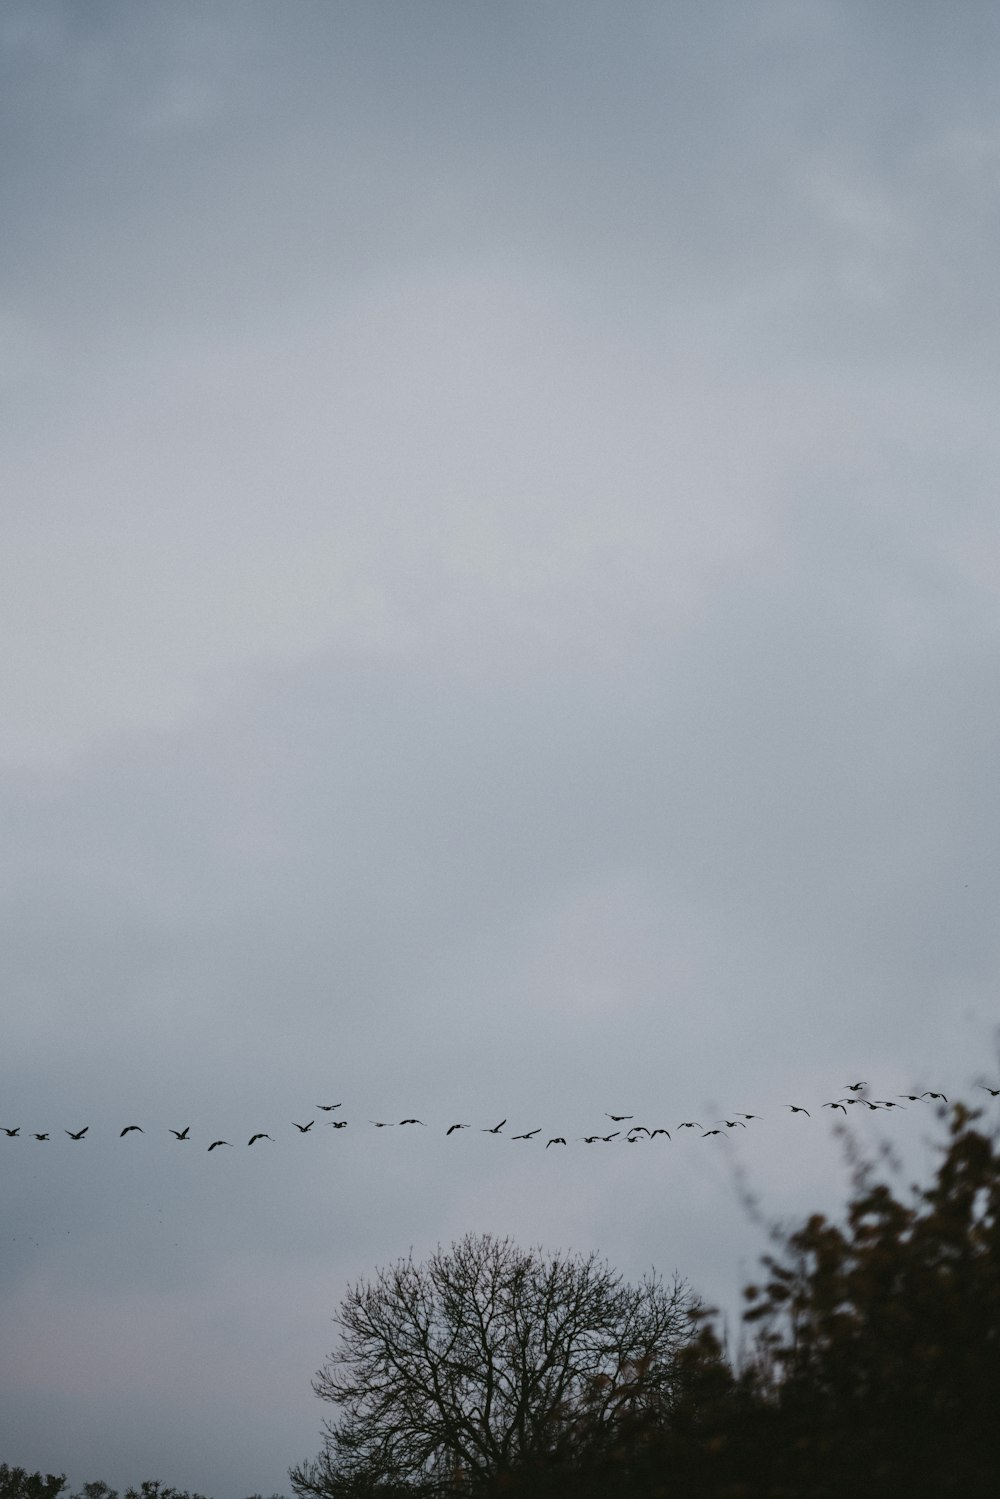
x: 18, y: 1483
x: 880, y: 1338
x: 485, y: 1359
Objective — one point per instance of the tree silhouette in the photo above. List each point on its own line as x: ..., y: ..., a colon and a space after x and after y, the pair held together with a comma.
x: 879, y: 1340
x: 18, y: 1483
x: 485, y: 1360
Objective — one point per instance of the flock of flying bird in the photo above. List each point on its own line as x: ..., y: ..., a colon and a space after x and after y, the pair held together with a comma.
x: 633, y: 1133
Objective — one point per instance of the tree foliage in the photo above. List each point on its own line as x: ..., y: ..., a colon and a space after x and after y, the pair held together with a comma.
x: 879, y: 1339
x: 18, y: 1483
x: 488, y: 1359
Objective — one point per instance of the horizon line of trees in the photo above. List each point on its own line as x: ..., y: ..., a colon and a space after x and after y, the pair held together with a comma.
x: 490, y: 1372
x: 19, y: 1483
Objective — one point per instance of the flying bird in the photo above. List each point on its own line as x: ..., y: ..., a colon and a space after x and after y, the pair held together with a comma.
x: 748, y: 1116
x: 839, y: 1106
x: 529, y: 1136
x: 732, y: 1123
x: 606, y: 1138
x: 943, y: 1096
x: 993, y: 1092
x: 329, y: 1107
x: 381, y: 1123
x: 129, y: 1128
x: 261, y: 1136
x: 587, y: 1139
x: 453, y: 1127
x: 41, y: 1137
x: 12, y: 1133
x: 913, y: 1097
x: 661, y: 1132
x: 638, y: 1129
x: 181, y: 1134
x: 337, y: 1123
x: 218, y: 1142
x: 412, y: 1121
x: 498, y: 1127
x: 618, y: 1117
x: 796, y: 1109
x: 855, y: 1087
x: 690, y: 1124
x: 79, y: 1134
x: 556, y: 1140
x: 304, y: 1128
x: 711, y: 1132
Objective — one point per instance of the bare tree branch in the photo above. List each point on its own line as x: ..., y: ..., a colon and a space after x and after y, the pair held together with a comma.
x: 488, y: 1357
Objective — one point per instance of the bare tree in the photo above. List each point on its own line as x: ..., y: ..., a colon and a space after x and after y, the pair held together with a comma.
x: 489, y: 1358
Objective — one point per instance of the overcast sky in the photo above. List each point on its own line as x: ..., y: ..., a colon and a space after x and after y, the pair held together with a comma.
x: 500, y: 592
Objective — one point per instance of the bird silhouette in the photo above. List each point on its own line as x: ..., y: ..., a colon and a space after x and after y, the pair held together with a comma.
x: 993, y: 1092
x: 12, y: 1134
x: 854, y: 1096
x: 381, y: 1123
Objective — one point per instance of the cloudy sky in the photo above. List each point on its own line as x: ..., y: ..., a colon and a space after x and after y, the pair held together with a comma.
x: 500, y: 590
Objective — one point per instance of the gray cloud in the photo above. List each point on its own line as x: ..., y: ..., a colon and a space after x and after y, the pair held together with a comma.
x: 499, y: 591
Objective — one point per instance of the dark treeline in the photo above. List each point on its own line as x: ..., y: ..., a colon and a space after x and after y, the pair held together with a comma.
x: 870, y: 1366
x: 18, y: 1483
